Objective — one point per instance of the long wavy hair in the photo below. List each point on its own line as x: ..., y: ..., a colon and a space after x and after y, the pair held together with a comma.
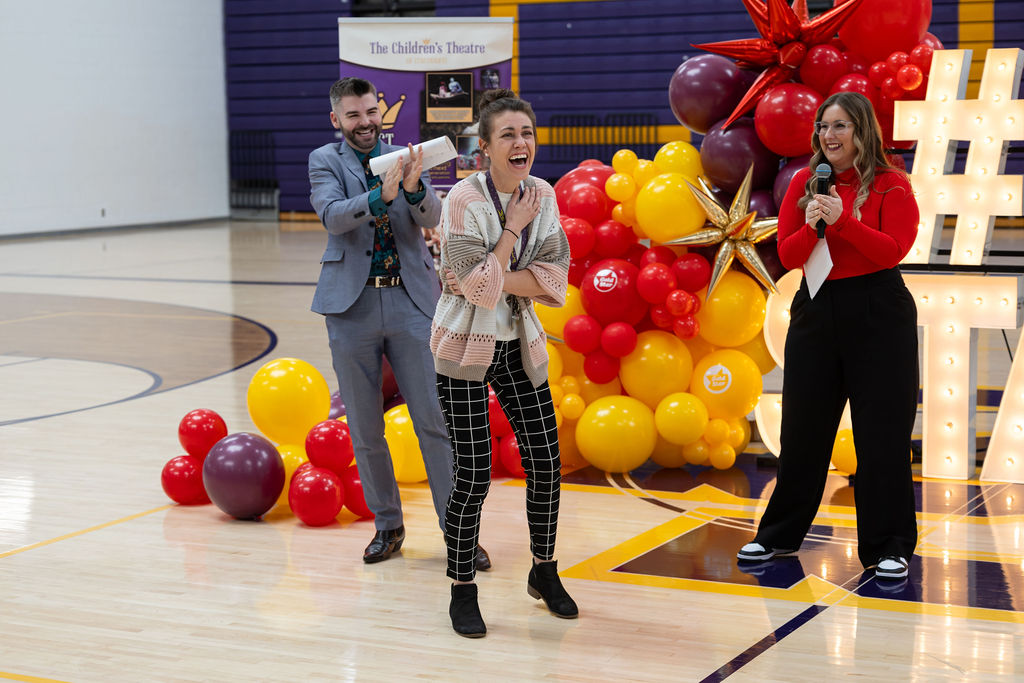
x: 867, y: 138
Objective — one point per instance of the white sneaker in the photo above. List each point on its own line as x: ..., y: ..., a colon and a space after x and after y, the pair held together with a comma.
x: 892, y: 567
x: 753, y: 552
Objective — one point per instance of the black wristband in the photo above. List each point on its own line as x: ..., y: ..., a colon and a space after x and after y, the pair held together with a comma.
x: 511, y: 231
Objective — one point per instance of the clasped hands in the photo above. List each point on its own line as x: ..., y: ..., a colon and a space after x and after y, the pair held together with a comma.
x: 827, y: 207
x: 407, y: 174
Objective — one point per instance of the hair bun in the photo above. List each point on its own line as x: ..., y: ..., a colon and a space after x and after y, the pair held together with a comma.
x: 494, y: 95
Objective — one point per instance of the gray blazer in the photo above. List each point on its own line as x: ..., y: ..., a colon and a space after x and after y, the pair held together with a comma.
x: 341, y: 200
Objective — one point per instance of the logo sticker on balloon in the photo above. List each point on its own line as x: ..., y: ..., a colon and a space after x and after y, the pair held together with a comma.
x: 605, y: 280
x: 717, y: 379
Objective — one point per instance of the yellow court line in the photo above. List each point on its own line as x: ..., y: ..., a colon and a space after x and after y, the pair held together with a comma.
x: 31, y: 679
x: 73, y: 534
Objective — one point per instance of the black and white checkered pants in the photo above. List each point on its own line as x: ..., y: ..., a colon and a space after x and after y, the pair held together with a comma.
x: 532, y: 415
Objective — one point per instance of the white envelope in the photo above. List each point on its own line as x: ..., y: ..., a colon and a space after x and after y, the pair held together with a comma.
x: 817, y: 267
x: 436, y: 151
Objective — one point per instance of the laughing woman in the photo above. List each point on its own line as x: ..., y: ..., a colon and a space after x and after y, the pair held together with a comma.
x: 502, y: 248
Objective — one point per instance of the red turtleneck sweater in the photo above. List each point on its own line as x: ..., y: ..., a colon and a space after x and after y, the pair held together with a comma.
x: 878, y: 240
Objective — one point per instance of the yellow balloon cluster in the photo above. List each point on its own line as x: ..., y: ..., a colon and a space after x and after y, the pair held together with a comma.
x: 658, y: 366
x: 733, y: 314
x: 616, y: 433
x: 286, y: 397
x: 666, y: 209
x: 293, y: 457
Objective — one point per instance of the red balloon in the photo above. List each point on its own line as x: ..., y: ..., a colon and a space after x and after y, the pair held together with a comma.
x: 654, y: 282
x: 657, y: 254
x: 919, y: 92
x: 594, y: 176
x: 784, y: 118
x: 600, y: 368
x: 855, y: 63
x: 580, y: 235
x: 618, y: 340
x: 822, y: 66
x: 316, y: 496
x: 931, y: 41
x: 878, y: 27
x: 579, y: 266
x: 891, y: 89
x: 661, y: 317
x: 590, y: 162
x: 922, y: 57
x: 686, y: 327
x: 613, y: 239
x: 511, y: 460
x: 692, y: 271
x: 388, y: 385
x: 582, y: 333
x: 680, y: 302
x: 353, y: 496
x: 589, y: 203
x: 199, y: 430
x: 910, y: 77
x: 329, y: 445
x: 608, y: 292
x: 497, y: 469
x: 878, y: 72
x: 854, y: 83
x: 635, y: 252
x: 896, y: 61
x: 500, y: 426
x: 182, y: 480
x: 304, y: 467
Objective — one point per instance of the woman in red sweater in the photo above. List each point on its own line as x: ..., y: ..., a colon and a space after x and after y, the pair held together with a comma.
x: 855, y: 340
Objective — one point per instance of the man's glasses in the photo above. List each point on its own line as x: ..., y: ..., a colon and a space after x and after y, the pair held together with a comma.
x: 838, y: 127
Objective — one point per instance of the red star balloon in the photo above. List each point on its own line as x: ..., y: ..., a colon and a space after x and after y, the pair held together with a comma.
x: 786, y: 35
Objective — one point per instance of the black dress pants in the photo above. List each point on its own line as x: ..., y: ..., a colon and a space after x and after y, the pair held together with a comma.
x: 857, y: 341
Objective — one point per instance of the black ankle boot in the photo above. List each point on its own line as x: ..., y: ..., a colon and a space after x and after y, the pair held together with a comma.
x: 544, y: 583
x: 465, y: 612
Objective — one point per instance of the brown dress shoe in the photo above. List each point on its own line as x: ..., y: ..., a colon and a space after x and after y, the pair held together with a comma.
x: 385, y: 542
x: 482, y: 561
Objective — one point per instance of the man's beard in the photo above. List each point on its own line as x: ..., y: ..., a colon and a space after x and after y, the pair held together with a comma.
x: 355, y: 142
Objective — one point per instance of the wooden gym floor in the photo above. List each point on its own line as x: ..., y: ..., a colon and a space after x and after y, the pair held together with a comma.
x: 108, y: 338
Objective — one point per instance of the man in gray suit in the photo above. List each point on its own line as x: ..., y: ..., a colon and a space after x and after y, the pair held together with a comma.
x: 377, y: 291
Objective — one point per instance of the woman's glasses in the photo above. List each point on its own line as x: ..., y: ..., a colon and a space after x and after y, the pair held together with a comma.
x: 838, y: 127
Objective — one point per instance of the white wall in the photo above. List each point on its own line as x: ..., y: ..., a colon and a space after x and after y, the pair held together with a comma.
x: 112, y: 112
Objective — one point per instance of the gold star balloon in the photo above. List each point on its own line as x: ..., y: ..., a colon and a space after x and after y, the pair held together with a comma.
x: 737, y: 230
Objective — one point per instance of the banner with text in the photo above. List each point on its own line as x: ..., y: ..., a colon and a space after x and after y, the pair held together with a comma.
x: 429, y: 74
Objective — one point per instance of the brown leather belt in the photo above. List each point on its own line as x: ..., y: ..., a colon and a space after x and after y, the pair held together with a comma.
x: 384, y: 281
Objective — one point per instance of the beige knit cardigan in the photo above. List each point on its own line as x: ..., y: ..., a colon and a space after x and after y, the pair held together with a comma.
x: 464, y: 329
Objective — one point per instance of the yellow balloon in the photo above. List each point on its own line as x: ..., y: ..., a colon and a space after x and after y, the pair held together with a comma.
x: 624, y: 161
x: 554, y: 362
x: 727, y: 382
x: 557, y: 393
x: 292, y: 456
x: 697, y: 452
x: 616, y: 433
x: 699, y: 347
x: 667, y: 454
x: 559, y: 418
x: 572, y: 362
x: 739, y: 434
x: 567, y: 449
x: 716, y: 432
x: 572, y: 406
x: 286, y: 397
x: 680, y: 418
x: 844, y: 455
x: 591, y: 391
x: 733, y: 314
x: 644, y: 171
x: 722, y: 456
x: 666, y: 208
x: 679, y: 157
x: 553, y: 319
x: 404, y: 446
x: 620, y: 187
x: 758, y: 352
x: 625, y: 213
x: 658, y: 366
x: 569, y: 384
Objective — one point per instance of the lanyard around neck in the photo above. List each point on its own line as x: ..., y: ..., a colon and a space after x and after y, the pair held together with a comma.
x: 523, y: 236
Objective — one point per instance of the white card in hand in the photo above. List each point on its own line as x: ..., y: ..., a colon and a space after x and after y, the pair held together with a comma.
x: 436, y: 151
x: 817, y: 267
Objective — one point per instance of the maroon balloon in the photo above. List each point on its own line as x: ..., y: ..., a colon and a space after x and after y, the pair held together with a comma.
x: 726, y: 156
x: 769, y: 253
x: 705, y: 89
x: 822, y: 66
x: 243, y: 475
x: 762, y: 202
x: 785, y: 175
x: 784, y: 118
x: 337, y: 406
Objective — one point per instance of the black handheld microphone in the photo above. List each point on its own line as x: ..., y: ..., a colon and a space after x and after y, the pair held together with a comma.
x: 822, y: 173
